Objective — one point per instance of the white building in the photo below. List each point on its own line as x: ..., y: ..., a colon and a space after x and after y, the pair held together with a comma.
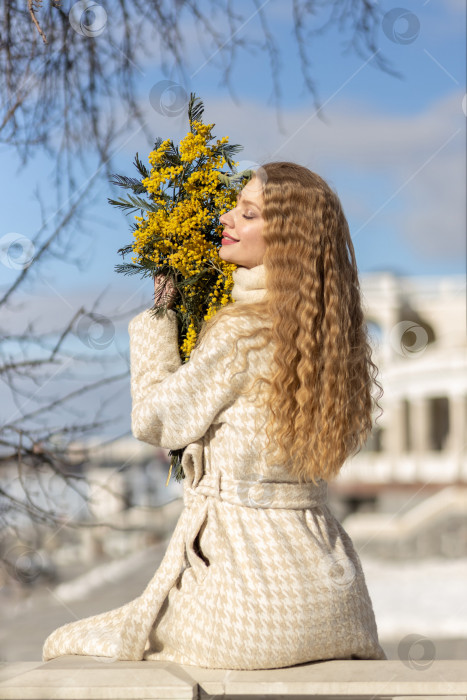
x: 419, y: 327
x: 413, y: 469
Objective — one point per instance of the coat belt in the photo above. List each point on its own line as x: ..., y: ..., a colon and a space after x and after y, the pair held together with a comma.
x: 258, y: 492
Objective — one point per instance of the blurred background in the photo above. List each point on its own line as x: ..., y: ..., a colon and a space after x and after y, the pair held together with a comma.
x: 371, y: 96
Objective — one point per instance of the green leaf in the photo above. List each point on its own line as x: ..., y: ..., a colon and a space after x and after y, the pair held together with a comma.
x: 126, y: 250
x: 157, y: 144
x: 141, y: 168
x: 130, y: 183
x: 129, y: 268
x: 146, y: 268
x: 195, y: 108
x: 172, y: 156
x: 133, y: 204
x: 228, y: 150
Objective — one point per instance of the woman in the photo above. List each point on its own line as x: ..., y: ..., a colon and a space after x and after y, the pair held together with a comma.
x: 258, y: 573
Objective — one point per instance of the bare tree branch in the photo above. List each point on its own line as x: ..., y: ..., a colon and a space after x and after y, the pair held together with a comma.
x: 69, y: 90
x: 71, y: 84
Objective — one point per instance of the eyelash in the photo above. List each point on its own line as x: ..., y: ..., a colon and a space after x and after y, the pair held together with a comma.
x: 247, y: 217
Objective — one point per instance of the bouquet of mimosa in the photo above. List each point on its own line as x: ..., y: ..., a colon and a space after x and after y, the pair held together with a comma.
x: 177, y: 232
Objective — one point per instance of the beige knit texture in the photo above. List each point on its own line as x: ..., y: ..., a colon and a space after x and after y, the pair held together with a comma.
x: 258, y: 573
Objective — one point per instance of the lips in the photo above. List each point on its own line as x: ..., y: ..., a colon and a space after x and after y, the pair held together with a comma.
x: 226, y: 235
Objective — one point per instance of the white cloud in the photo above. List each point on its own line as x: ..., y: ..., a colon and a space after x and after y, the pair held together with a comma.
x: 415, y: 161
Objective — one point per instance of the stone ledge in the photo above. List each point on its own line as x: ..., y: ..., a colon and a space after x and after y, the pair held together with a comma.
x: 90, y: 678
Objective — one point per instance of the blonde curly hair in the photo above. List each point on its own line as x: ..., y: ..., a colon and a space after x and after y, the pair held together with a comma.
x: 320, y: 391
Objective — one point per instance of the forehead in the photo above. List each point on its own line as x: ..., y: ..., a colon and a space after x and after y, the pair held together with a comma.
x: 252, y: 192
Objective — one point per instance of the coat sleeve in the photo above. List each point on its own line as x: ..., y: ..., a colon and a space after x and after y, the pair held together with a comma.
x: 173, y: 404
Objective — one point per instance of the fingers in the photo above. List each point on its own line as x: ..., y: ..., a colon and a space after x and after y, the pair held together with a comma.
x: 164, y: 291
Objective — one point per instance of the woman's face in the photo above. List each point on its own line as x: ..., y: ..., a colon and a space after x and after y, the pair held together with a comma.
x: 244, y: 224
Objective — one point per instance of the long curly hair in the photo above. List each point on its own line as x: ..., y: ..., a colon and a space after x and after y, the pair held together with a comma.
x: 320, y: 390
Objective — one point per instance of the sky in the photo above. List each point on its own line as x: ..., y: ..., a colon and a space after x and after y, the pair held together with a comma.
x: 392, y: 147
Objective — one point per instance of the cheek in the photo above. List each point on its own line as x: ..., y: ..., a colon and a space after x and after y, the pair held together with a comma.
x: 254, y: 232
x: 259, y: 238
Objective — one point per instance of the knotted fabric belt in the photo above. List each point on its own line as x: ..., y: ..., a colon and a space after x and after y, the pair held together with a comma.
x: 258, y: 492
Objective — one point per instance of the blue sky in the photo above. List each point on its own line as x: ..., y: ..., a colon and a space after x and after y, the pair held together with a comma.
x: 393, y: 149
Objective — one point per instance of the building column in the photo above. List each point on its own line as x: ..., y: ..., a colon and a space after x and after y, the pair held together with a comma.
x: 393, y: 442
x: 456, y: 443
x: 420, y: 425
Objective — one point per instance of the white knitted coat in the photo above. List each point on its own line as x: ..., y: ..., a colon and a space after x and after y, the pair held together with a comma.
x: 258, y: 572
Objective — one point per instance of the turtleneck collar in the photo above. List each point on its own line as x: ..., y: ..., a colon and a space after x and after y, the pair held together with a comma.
x: 249, y: 284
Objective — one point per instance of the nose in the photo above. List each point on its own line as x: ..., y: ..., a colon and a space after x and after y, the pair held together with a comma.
x: 226, y: 219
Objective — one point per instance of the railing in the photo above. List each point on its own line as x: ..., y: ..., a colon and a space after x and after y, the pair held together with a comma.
x: 80, y: 678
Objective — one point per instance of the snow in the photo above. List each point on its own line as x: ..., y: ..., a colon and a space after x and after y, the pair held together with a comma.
x: 426, y: 597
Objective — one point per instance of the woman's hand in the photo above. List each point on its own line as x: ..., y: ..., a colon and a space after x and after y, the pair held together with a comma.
x: 164, y: 291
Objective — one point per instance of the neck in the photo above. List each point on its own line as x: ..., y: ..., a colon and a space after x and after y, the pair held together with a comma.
x: 249, y: 284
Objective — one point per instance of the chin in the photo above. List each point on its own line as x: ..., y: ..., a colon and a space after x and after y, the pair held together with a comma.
x: 223, y: 256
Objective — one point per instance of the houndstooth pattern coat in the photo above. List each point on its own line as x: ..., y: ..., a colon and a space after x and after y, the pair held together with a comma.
x: 258, y: 573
